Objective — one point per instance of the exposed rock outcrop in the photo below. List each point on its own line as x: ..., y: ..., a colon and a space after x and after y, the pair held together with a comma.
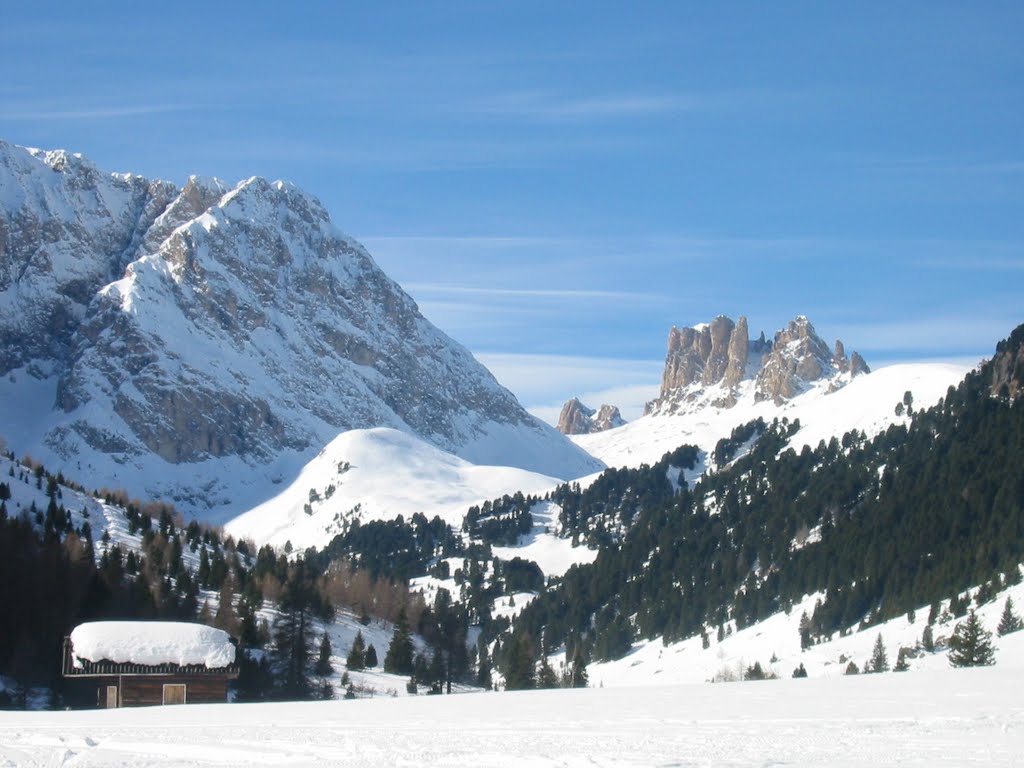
x: 1007, y: 367
x: 711, y: 362
x: 578, y: 419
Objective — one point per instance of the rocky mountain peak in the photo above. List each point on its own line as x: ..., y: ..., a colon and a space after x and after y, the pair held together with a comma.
x: 711, y: 363
x: 179, y: 328
x: 578, y: 419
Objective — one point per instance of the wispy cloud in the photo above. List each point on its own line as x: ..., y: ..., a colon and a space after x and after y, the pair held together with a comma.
x: 935, y: 164
x: 555, y: 294
x: 983, y: 264
x: 547, y: 106
x: 94, y: 113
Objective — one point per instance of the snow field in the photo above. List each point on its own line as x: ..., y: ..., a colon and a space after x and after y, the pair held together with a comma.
x: 939, y: 718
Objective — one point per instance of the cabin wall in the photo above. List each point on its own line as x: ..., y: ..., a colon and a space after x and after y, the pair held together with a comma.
x: 149, y: 690
x: 145, y: 691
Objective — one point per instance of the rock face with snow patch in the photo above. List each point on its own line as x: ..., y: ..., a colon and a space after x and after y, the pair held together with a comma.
x: 1007, y: 367
x: 208, y: 322
x: 578, y: 419
x: 711, y: 361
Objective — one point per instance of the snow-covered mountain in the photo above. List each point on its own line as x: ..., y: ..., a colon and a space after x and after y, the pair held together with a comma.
x: 716, y: 379
x: 201, y: 344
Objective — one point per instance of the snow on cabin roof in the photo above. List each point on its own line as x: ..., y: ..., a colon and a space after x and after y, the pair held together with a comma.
x: 152, y: 643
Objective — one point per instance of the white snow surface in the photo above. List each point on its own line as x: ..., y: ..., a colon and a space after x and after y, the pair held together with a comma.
x: 866, y: 403
x: 378, y: 474
x: 551, y: 552
x: 943, y: 718
x: 775, y: 644
x: 152, y: 643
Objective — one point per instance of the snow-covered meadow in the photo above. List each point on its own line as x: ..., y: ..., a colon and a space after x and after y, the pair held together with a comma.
x: 933, y: 718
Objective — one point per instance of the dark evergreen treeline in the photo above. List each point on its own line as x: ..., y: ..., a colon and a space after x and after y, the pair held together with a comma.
x: 502, y: 521
x: 600, y: 514
x: 880, y: 526
x: 391, y: 549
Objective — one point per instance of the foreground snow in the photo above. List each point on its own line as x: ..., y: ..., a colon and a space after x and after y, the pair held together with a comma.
x: 947, y: 718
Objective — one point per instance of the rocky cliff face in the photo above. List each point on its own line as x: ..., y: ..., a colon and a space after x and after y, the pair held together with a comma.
x: 221, y: 322
x: 1007, y: 367
x: 710, y: 363
x: 578, y: 419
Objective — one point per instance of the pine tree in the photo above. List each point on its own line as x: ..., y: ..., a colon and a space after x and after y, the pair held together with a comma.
x: 370, y: 658
x: 879, y: 659
x: 578, y: 674
x: 805, y: 631
x: 546, y: 677
x: 293, y: 636
x: 483, y: 669
x: 399, y: 658
x: 519, y: 671
x: 800, y: 671
x: 205, y: 614
x: 357, y: 655
x: 927, y: 639
x: 971, y: 644
x: 901, y: 661
x: 1009, y: 621
x: 323, y: 669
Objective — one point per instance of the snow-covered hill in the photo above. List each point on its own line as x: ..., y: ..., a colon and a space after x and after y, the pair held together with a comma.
x: 377, y: 474
x: 867, y: 403
x: 202, y: 344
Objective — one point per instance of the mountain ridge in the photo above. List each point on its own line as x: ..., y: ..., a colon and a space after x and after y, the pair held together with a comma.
x: 180, y: 327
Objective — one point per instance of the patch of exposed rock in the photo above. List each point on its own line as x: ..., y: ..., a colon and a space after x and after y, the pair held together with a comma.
x: 715, y: 359
x: 1007, y: 366
x: 578, y: 419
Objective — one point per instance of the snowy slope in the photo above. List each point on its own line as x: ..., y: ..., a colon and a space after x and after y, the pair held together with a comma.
x: 866, y: 403
x: 202, y: 344
x: 778, y: 637
x: 377, y: 474
x: 948, y: 718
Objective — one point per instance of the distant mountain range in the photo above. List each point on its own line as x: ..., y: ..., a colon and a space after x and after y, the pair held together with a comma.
x: 226, y: 348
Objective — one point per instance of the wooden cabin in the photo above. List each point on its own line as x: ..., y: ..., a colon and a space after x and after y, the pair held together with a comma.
x: 145, y: 663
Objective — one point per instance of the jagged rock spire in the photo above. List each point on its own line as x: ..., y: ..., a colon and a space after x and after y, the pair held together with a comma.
x: 716, y: 358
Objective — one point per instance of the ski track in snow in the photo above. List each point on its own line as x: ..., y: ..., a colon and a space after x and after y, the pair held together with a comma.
x: 947, y: 718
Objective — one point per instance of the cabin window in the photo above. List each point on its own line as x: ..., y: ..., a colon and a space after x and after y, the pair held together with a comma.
x: 174, y: 693
x: 111, y: 697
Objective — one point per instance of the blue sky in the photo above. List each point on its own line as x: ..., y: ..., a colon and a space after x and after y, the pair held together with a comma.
x: 559, y: 183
